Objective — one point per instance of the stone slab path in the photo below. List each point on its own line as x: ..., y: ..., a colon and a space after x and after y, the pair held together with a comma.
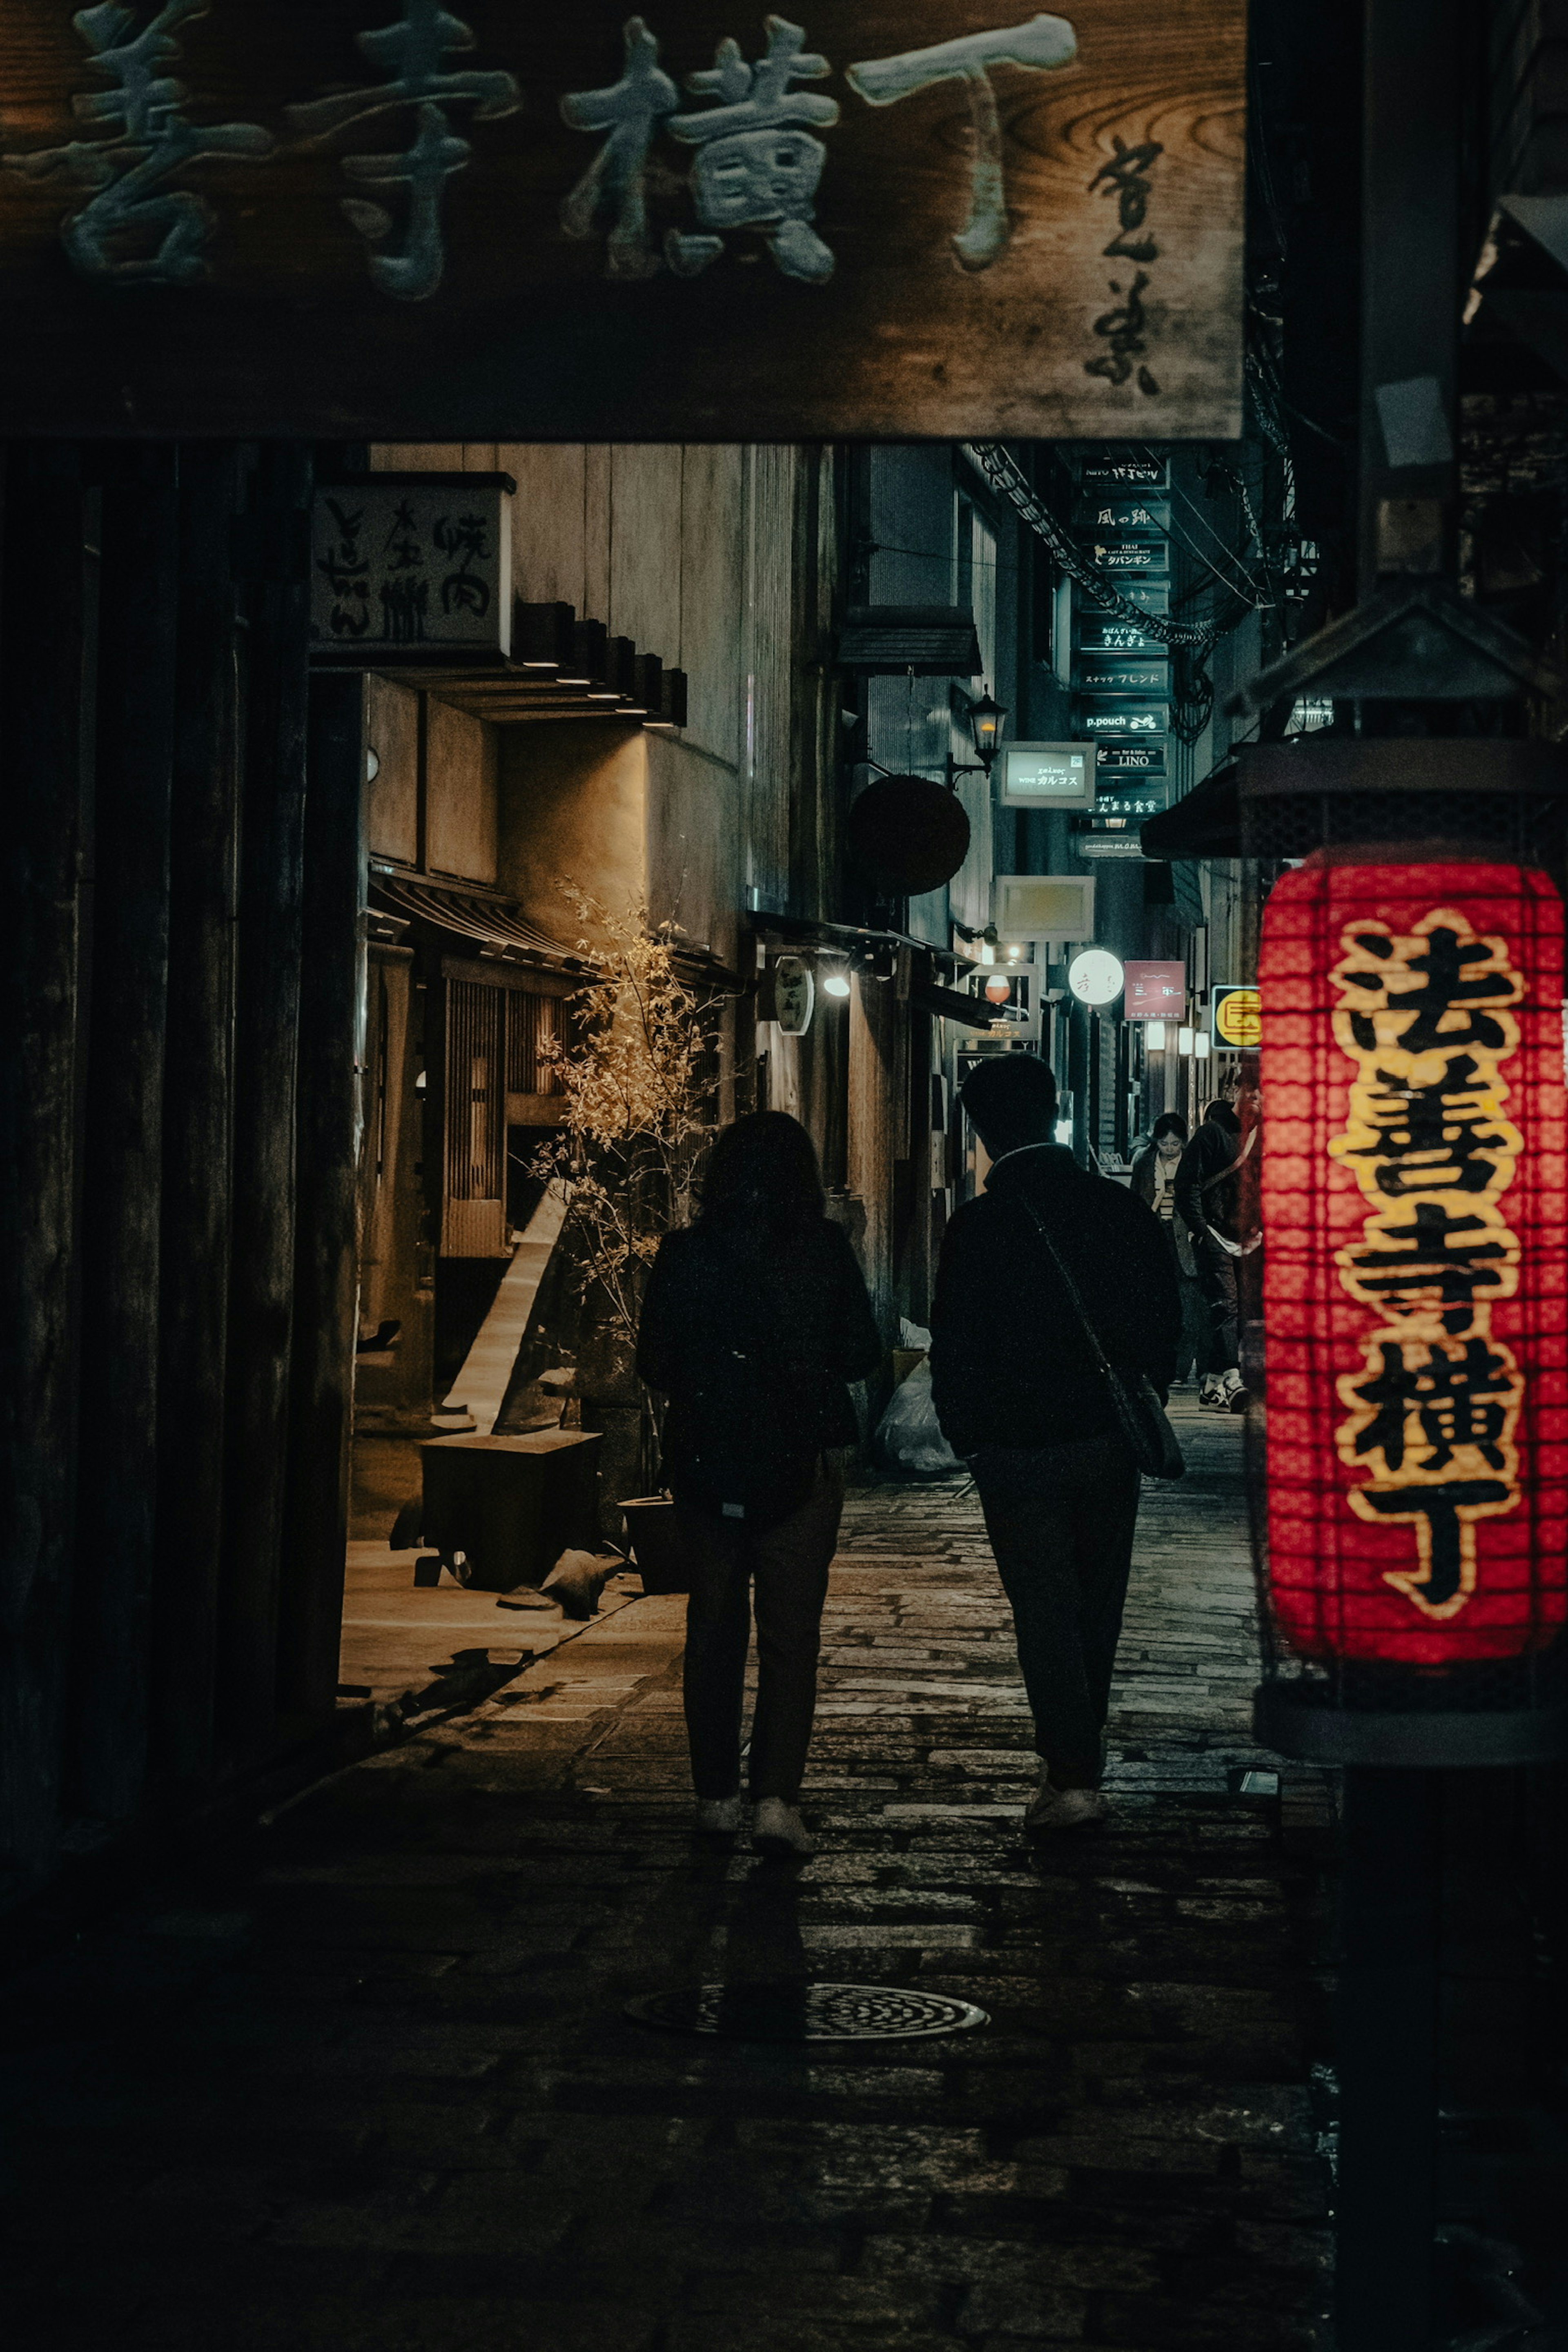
x: 364, y: 2080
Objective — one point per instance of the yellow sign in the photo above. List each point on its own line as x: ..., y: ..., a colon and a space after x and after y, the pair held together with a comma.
x: 1237, y: 1017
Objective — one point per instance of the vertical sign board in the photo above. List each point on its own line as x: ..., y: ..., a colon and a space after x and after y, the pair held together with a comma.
x: 1415, y: 1185
x: 395, y: 220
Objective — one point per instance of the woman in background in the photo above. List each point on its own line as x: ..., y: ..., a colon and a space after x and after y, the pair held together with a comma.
x: 756, y: 1318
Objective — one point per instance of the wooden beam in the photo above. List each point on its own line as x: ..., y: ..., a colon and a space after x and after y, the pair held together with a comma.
x: 261, y: 1284
x: 326, y: 1162
x: 41, y: 704
x: 121, y: 1236
x: 198, y: 1121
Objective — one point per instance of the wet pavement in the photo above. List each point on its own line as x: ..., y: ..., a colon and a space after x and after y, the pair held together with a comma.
x: 366, y: 2078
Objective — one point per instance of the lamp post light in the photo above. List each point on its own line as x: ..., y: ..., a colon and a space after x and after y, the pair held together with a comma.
x: 987, y: 721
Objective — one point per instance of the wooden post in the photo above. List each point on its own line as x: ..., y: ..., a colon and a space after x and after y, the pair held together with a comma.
x: 198, y: 1113
x: 134, y: 761
x: 41, y: 682
x: 273, y: 552
x: 1410, y: 287
x: 327, y: 1153
x: 1387, y: 2009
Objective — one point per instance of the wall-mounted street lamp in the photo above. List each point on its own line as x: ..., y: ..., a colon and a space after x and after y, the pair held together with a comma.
x: 834, y: 976
x: 988, y: 722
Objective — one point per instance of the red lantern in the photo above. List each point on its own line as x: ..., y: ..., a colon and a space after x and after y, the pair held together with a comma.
x: 1414, y: 1166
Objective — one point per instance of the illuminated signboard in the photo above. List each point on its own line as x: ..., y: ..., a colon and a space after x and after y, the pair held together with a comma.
x: 1155, y: 991
x: 1108, y: 674
x: 1132, y: 759
x: 1113, y: 552
x: 1122, y: 717
x: 1048, y: 775
x: 1237, y: 1019
x: 1415, y: 1180
x: 1138, y: 797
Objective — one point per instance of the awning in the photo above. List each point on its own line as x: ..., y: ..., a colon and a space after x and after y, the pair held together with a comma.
x: 472, y: 913
x: 1204, y: 822
x: 951, y: 1004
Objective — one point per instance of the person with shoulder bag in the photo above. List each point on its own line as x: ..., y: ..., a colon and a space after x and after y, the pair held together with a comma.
x: 756, y: 1318
x: 1054, y: 1340
x: 1213, y: 1201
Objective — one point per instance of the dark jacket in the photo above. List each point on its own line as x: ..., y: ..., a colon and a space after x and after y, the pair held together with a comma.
x: 1010, y: 1365
x: 1205, y: 1196
x: 797, y: 1303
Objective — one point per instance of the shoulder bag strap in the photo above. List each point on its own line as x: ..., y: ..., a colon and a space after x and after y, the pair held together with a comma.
x: 1103, y: 1363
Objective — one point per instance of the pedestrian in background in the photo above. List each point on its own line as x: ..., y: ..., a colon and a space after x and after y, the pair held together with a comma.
x: 1211, y: 1200
x: 1019, y: 1393
x: 1154, y: 1179
x: 756, y: 1318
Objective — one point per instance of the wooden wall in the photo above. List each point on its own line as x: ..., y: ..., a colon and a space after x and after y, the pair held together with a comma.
x: 176, y: 1207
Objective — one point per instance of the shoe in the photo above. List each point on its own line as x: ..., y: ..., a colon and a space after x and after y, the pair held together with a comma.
x: 1211, y: 1397
x: 778, y: 1829
x: 1237, y: 1401
x: 719, y: 1816
x: 1065, y: 1808
x: 1232, y: 1395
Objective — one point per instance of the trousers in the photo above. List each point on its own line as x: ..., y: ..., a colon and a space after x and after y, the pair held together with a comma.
x: 1216, y: 1278
x: 1061, y: 1521
x: 786, y: 1567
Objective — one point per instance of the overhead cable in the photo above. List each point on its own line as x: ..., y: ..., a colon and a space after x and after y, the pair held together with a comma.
x: 992, y: 461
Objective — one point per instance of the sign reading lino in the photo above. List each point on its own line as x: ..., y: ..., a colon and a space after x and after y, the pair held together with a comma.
x: 415, y: 222
x: 1414, y: 1211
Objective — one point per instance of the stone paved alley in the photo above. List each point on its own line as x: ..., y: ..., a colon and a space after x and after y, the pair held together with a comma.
x: 364, y: 2079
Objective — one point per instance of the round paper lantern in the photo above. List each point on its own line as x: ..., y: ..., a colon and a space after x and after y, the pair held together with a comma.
x: 908, y: 835
x: 1414, y: 1164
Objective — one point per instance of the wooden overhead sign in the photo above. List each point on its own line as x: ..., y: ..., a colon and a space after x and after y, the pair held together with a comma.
x: 387, y: 219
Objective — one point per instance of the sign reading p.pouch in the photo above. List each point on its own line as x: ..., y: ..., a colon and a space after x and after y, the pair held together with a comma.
x: 395, y: 220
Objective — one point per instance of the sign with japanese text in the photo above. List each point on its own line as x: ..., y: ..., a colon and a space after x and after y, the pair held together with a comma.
x: 396, y: 220
x: 1155, y: 991
x: 408, y: 561
x: 1414, y: 1189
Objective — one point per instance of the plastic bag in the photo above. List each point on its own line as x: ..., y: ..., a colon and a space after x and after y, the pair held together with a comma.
x: 909, y: 1439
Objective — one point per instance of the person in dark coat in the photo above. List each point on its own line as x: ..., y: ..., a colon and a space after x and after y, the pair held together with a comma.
x: 756, y: 1318
x: 1019, y: 1394
x: 1209, y: 1202
x: 1153, y: 1178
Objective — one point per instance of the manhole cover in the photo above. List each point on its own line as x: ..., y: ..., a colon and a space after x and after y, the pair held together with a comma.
x: 805, y: 2012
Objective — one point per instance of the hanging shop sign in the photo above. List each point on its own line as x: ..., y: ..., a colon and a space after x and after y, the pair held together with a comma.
x: 1415, y: 1187
x: 1124, y: 719
x: 1095, y: 976
x: 1048, y: 775
x: 788, y: 995
x: 1117, y: 552
x: 388, y: 219
x: 405, y: 564
x: 1117, y: 760
x: 1123, y: 674
x: 1120, y: 477
x: 1156, y: 991
x: 1133, y: 797
x: 1236, y: 1010
x: 1148, y: 517
x: 1099, y: 633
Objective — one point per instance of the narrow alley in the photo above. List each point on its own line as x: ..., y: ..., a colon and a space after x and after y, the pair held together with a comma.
x: 366, y: 2078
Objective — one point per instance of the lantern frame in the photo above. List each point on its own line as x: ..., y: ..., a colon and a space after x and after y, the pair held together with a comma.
x: 1416, y: 805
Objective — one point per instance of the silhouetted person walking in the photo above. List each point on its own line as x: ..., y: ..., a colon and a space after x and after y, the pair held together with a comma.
x: 756, y: 1317
x: 1019, y: 1395
x: 1208, y: 1193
